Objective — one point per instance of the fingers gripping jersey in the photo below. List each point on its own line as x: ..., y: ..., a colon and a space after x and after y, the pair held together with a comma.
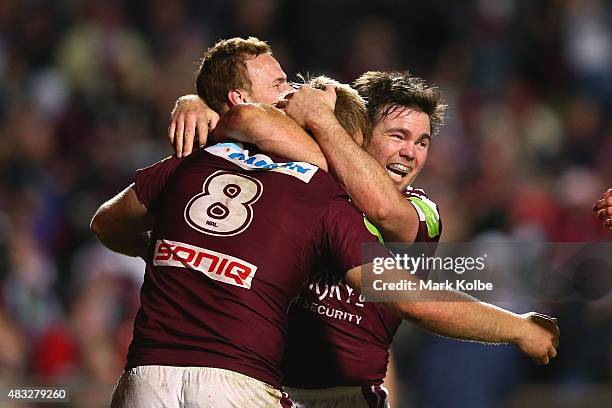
x: 236, y: 236
x: 335, y: 337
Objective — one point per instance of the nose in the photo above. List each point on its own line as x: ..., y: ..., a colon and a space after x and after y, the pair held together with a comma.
x: 407, y: 150
x: 287, y: 88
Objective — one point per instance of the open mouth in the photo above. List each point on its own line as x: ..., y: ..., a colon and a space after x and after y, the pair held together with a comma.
x: 398, y: 170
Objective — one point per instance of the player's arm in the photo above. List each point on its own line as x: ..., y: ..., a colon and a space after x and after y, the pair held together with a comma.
x: 122, y: 224
x: 460, y: 316
x: 271, y: 130
x: 262, y: 125
x: 603, y: 209
x: 190, y: 113
x: 363, y: 178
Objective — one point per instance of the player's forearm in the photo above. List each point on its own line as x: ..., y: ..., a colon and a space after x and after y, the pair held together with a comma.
x: 136, y: 245
x: 456, y: 314
x: 461, y: 316
x: 366, y: 182
x: 448, y: 313
x: 270, y: 130
x: 115, y: 234
x: 122, y: 224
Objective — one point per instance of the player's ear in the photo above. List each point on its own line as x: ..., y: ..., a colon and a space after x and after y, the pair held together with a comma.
x: 236, y: 96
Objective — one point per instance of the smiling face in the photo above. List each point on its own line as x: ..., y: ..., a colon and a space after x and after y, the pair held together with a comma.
x: 400, y: 142
x: 268, y: 81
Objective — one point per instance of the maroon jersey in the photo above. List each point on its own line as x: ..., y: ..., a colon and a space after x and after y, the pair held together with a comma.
x: 335, y: 338
x: 235, y: 238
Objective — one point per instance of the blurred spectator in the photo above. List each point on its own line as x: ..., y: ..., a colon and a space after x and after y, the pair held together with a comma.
x: 588, y: 47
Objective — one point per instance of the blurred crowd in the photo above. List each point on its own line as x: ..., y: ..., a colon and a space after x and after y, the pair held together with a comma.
x: 86, y: 88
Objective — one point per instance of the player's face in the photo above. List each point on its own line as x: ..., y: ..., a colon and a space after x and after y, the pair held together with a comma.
x: 267, y: 78
x: 400, y: 142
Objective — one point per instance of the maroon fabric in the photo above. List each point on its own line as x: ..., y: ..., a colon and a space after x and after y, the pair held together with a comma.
x: 222, y: 300
x: 335, y: 338
x: 149, y: 182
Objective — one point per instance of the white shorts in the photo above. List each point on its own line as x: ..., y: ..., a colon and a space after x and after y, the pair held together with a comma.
x: 177, y: 387
x: 375, y: 396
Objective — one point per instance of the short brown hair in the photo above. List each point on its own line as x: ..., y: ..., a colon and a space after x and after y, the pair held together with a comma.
x: 350, y: 109
x: 385, y: 92
x: 223, y: 68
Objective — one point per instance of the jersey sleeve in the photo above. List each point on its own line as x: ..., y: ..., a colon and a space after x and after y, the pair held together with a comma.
x: 150, y: 181
x: 345, y: 232
x: 430, y: 224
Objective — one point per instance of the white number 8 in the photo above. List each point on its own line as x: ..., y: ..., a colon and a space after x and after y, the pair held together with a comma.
x: 223, y: 208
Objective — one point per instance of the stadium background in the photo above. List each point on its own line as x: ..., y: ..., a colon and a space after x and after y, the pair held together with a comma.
x: 86, y: 88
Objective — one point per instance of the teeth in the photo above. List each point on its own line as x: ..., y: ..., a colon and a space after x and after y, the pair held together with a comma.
x: 399, y: 168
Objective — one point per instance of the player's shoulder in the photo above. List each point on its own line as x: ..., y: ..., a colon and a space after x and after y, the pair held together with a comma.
x: 167, y: 162
x: 327, y: 185
x: 301, y: 179
x: 248, y: 158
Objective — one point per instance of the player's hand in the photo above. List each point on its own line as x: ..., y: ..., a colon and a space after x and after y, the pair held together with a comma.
x: 309, y: 106
x: 603, y: 209
x: 190, y: 113
x: 539, y: 338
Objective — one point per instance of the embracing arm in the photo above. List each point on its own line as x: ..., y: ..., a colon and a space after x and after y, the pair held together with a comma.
x: 122, y: 224
x: 367, y: 183
x: 270, y: 130
x: 363, y: 178
x: 460, y: 316
x: 262, y: 125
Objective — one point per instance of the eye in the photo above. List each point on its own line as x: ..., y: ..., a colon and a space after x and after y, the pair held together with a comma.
x: 279, y: 84
x: 424, y: 143
x: 397, y: 136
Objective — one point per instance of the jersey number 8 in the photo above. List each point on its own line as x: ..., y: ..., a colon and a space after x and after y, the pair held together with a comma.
x: 223, y: 208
